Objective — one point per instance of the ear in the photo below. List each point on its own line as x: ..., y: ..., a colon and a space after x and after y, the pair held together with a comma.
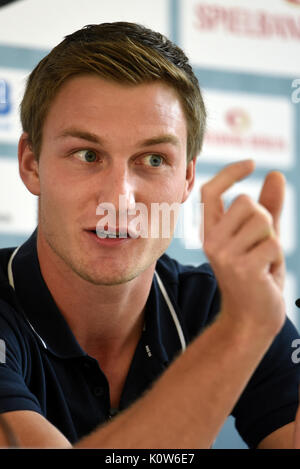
x: 190, y: 179
x: 28, y: 165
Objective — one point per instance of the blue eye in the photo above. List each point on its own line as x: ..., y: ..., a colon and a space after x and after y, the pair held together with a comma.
x: 154, y: 160
x: 88, y: 156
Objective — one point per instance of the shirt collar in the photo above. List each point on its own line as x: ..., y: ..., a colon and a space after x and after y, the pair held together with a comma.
x: 51, y: 327
x: 38, y: 304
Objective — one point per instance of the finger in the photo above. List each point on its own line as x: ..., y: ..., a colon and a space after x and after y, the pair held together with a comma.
x: 266, y: 255
x: 255, y: 230
x: 272, y: 196
x: 241, y: 210
x: 211, y: 192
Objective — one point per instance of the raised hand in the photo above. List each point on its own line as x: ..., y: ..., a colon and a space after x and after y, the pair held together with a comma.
x: 242, y: 245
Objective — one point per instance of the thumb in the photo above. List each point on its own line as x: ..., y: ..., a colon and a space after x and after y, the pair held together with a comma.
x: 272, y: 196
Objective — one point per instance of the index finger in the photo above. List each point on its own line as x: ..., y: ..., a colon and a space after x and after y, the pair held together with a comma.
x: 211, y: 192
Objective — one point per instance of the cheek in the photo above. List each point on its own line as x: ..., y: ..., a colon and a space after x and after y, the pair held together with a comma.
x: 55, y: 202
x: 57, y: 190
x: 170, y: 189
x: 173, y: 190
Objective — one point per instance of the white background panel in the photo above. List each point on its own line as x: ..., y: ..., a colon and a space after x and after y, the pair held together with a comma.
x: 42, y: 24
x: 246, y: 35
x: 244, y: 125
x: 18, y: 207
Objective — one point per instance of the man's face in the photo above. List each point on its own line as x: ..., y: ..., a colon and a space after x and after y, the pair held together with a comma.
x: 102, y: 140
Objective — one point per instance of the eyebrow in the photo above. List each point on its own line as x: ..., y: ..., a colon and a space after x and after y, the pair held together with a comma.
x: 91, y: 137
x: 72, y: 132
x: 164, y: 138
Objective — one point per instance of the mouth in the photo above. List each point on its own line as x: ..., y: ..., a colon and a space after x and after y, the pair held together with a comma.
x: 113, y: 234
x: 110, y: 238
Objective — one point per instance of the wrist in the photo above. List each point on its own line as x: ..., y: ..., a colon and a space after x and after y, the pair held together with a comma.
x: 245, y: 331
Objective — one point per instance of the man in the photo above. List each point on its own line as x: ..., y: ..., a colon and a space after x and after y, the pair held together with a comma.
x: 90, y: 322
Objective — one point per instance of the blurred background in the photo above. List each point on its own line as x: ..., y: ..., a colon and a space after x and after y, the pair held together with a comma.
x: 246, y: 55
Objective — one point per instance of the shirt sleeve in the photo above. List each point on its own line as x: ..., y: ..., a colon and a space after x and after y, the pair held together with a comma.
x: 270, y: 399
x: 14, y: 392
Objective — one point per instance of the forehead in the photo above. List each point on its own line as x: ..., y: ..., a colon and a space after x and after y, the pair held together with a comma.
x: 100, y: 105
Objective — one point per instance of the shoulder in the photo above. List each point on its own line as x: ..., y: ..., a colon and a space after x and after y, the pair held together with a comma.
x: 175, y: 272
x: 186, y: 278
x: 5, y: 254
x: 13, y: 325
x: 7, y: 294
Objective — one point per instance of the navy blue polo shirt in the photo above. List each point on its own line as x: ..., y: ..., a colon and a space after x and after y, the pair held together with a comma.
x: 47, y: 371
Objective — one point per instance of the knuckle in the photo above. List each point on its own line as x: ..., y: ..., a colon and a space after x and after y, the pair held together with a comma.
x: 275, y: 244
x: 212, y: 249
x: 209, y: 248
x: 245, y: 203
x: 220, y: 257
x: 263, y: 216
x: 245, y: 200
x: 205, y: 190
x: 274, y: 250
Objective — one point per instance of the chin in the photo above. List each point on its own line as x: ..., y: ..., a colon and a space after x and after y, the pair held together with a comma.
x: 107, y: 278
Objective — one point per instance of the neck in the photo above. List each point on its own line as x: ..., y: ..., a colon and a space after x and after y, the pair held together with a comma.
x: 110, y: 315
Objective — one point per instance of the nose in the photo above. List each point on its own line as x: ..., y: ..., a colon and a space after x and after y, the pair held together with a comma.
x: 118, y: 187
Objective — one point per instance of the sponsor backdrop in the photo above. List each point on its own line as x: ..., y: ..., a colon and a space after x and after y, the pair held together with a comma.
x: 246, y: 57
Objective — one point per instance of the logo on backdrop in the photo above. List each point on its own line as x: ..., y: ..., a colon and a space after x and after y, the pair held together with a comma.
x: 5, y: 102
x: 251, y: 23
x: 294, y: 2
x: 238, y: 120
x: 241, y: 132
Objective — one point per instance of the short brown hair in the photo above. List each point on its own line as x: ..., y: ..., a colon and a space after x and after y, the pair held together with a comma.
x: 123, y: 52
